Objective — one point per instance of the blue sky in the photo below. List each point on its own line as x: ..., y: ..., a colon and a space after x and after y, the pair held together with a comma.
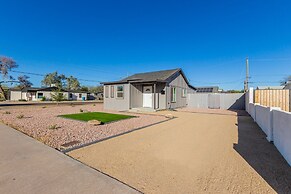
x: 108, y: 40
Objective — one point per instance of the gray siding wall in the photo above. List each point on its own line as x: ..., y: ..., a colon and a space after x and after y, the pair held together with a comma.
x: 136, y: 96
x: 160, y: 98
x: 226, y: 101
x: 180, y: 84
x: 117, y: 103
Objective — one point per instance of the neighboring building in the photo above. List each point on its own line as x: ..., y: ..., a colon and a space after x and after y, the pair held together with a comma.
x: 207, y: 89
x: 78, y: 95
x: 38, y: 94
x: 155, y: 90
x: 270, y: 87
x: 288, y: 85
x: 95, y: 96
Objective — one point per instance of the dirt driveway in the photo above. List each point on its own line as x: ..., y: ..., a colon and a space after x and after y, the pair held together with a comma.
x: 194, y: 153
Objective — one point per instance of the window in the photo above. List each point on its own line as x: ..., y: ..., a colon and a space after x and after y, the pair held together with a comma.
x: 184, y: 93
x: 173, y: 94
x: 120, y: 92
x: 80, y: 95
x: 112, y: 91
x: 39, y: 95
x: 106, y: 91
x: 70, y: 95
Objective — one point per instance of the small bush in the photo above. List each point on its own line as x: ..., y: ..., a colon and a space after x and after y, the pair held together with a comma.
x: 20, y: 116
x: 22, y: 100
x: 81, y: 110
x: 55, y: 126
x: 43, y: 107
x: 7, y: 113
x: 94, y: 104
x: 43, y: 98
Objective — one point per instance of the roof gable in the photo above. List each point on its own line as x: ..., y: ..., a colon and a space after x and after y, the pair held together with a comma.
x: 151, y: 76
x: 155, y: 76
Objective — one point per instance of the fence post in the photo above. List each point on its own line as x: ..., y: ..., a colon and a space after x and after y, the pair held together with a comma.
x: 251, y: 95
x: 272, y: 127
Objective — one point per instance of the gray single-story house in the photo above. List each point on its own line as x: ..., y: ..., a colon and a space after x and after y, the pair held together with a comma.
x: 38, y: 94
x: 152, y: 90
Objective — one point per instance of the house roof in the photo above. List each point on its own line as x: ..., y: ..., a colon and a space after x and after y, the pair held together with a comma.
x: 288, y: 86
x: 155, y: 76
x: 49, y: 89
x: 25, y: 89
x: 207, y: 89
x: 152, y: 76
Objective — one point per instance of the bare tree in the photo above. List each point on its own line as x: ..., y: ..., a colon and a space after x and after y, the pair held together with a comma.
x: 6, y: 64
x: 23, y: 81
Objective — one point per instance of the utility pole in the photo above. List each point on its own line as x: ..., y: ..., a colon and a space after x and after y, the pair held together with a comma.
x: 246, y: 83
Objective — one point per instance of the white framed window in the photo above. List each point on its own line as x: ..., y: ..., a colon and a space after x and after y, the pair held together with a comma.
x: 106, y: 91
x: 39, y: 95
x: 184, y: 93
x: 112, y: 91
x: 120, y: 91
x: 173, y: 94
x: 80, y: 95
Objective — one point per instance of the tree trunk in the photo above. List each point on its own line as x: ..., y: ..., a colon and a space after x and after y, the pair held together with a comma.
x: 2, y: 91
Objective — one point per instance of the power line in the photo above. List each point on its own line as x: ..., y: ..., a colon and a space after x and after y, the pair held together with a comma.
x: 38, y: 74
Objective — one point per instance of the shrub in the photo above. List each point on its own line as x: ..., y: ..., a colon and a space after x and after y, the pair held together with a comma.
x: 81, y: 110
x: 94, y: 104
x: 43, y: 98
x: 22, y: 100
x: 58, y: 95
x: 43, y: 107
x: 20, y: 116
x: 55, y: 126
x: 7, y: 113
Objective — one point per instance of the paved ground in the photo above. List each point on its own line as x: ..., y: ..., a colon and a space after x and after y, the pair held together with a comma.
x: 194, y: 153
x: 28, y: 166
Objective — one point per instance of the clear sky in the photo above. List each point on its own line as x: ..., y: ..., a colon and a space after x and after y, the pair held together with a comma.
x: 108, y: 40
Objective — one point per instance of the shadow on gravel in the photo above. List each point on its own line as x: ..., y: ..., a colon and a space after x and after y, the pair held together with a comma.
x: 262, y: 156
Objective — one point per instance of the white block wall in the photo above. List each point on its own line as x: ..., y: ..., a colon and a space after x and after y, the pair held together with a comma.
x: 252, y: 111
x: 274, y: 122
x: 264, y: 118
x: 277, y: 126
x: 282, y: 133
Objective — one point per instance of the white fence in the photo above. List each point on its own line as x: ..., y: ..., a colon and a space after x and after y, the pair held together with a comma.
x: 275, y: 123
x: 282, y: 133
x: 216, y: 100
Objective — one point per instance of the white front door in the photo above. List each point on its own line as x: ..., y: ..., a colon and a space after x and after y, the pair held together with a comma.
x: 148, y: 96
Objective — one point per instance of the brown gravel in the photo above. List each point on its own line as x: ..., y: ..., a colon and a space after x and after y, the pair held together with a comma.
x: 193, y: 153
x: 38, y: 121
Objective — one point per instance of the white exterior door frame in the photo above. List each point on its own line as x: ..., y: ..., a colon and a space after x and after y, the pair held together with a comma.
x: 147, y: 96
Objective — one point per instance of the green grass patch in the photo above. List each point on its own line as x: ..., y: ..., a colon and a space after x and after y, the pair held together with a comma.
x: 100, y: 116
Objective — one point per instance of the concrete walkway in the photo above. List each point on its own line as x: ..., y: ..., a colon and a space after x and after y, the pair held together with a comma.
x: 28, y: 166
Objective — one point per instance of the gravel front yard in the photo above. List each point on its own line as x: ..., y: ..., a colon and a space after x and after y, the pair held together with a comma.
x: 43, y: 124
